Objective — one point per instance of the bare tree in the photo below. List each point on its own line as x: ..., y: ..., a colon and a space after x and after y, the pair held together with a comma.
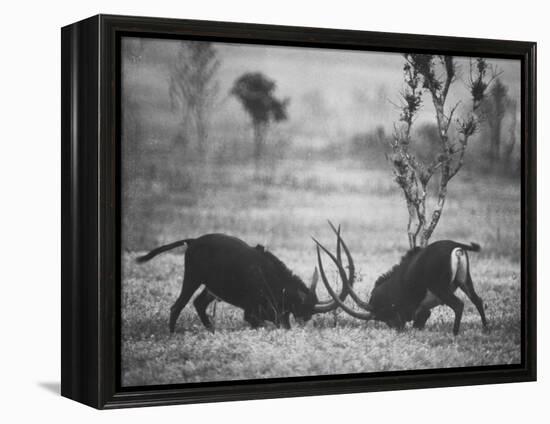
x: 255, y: 92
x: 509, y: 147
x: 193, y: 87
x: 496, y: 107
x: 433, y: 75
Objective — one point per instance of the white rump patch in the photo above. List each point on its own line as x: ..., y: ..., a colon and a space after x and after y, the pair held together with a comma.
x: 459, y: 267
x: 459, y: 272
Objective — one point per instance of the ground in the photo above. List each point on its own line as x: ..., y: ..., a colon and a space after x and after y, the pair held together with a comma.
x: 281, y: 210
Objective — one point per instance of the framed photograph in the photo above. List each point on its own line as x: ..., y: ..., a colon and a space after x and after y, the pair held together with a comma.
x: 255, y: 211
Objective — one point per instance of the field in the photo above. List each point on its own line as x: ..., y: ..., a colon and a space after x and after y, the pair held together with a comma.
x: 281, y: 210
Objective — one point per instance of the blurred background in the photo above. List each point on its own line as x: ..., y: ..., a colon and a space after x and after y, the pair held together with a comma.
x: 266, y: 144
x: 201, y: 154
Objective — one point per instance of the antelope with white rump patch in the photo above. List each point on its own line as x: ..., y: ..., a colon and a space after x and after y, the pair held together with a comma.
x: 425, y: 277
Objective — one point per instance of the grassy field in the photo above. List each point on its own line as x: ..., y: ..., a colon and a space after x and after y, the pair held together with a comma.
x: 281, y: 210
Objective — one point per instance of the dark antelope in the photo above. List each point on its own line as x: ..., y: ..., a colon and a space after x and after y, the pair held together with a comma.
x: 250, y: 278
x: 425, y: 277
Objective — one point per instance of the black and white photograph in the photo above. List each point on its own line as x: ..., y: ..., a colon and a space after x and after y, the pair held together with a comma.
x: 270, y: 213
x: 294, y: 211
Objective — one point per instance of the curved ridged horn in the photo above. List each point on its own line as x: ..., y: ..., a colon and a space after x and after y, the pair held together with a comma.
x: 356, y: 314
x: 344, y: 293
x: 348, y: 283
x: 330, y: 305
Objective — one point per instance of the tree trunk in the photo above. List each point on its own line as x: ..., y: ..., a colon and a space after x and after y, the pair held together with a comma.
x: 495, y: 140
x: 509, y: 148
x: 259, y: 139
x: 438, y: 209
x: 411, y: 232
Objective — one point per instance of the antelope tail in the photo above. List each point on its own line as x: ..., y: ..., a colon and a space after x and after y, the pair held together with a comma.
x: 162, y: 249
x: 472, y: 247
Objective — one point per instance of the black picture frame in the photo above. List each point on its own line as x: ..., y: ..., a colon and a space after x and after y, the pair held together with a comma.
x: 91, y: 214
